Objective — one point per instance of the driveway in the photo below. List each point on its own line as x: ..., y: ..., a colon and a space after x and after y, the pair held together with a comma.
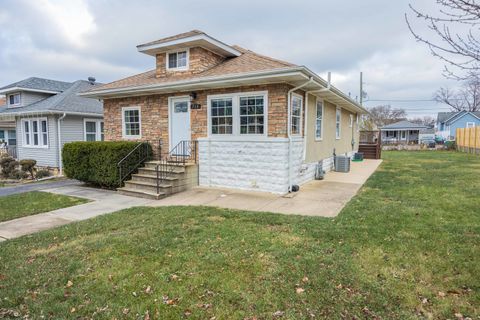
x: 325, y: 198
x: 35, y: 186
x: 103, y: 202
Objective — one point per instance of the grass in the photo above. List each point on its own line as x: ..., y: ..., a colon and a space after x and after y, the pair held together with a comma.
x: 406, y: 247
x: 29, y: 203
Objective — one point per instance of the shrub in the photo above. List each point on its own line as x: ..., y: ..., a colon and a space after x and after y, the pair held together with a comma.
x: 18, y: 174
x: 96, y: 162
x: 28, y: 165
x: 450, y: 145
x: 8, y: 164
x: 42, y: 173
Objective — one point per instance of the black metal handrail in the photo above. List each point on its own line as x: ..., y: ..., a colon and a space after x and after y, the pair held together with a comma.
x: 133, y: 160
x: 185, y: 150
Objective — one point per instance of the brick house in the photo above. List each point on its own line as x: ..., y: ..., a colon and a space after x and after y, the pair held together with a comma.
x: 261, y: 123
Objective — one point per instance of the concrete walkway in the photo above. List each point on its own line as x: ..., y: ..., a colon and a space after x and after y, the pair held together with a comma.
x: 103, y: 202
x: 325, y: 198
x: 35, y: 186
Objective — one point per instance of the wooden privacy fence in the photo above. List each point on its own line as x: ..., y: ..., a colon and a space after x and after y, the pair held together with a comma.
x: 468, y: 140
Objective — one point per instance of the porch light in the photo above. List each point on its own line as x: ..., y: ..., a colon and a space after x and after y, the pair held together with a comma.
x: 193, y: 96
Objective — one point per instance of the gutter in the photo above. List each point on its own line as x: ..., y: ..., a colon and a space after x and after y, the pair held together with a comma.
x: 289, y: 129
x: 60, y: 164
x: 36, y: 113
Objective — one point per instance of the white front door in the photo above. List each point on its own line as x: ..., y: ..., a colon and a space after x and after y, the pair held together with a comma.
x: 179, y: 120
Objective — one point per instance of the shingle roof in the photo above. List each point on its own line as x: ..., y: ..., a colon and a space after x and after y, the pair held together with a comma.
x: 175, y: 37
x: 404, y: 124
x: 444, y: 116
x: 248, y: 61
x: 39, y: 84
x: 68, y: 101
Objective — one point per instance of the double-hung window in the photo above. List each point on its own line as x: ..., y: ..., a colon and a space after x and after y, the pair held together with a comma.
x: 93, y: 130
x: 131, y: 123
x: 296, y: 115
x: 35, y: 132
x: 238, y: 114
x: 338, y: 123
x: 470, y: 124
x: 177, y: 60
x: 319, y: 121
x: 14, y: 99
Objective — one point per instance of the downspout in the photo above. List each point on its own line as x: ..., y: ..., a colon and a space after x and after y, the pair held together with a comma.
x: 60, y: 165
x: 306, y: 113
x: 289, y: 131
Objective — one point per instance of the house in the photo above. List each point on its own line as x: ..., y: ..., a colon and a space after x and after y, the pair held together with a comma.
x: 261, y: 123
x: 449, y: 122
x: 401, y: 132
x: 7, y: 132
x: 44, y: 114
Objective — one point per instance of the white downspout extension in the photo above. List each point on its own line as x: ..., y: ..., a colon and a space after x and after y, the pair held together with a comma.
x: 289, y: 131
x: 306, y: 113
x: 60, y: 165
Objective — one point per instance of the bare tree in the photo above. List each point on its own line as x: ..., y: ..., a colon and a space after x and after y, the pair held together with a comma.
x: 426, y: 120
x: 455, y: 38
x: 467, y: 97
x: 381, y: 116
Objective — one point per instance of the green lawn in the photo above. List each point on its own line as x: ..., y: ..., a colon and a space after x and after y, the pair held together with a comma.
x: 407, y: 247
x: 26, y: 204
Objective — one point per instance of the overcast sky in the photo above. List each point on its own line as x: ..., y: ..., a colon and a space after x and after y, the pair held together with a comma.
x: 74, y: 39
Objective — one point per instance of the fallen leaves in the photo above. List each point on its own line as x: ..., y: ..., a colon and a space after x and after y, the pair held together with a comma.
x: 278, y: 314
x: 69, y: 283
x: 300, y: 290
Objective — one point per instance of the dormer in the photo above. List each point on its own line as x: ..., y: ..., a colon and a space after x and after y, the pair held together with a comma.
x: 187, y: 53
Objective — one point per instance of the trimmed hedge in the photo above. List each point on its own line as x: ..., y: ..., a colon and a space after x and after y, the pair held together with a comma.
x: 96, y: 162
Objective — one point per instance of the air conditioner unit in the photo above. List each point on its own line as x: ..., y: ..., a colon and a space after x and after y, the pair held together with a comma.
x: 342, y: 163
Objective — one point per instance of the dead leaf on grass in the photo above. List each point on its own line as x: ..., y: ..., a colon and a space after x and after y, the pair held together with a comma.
x: 69, y: 283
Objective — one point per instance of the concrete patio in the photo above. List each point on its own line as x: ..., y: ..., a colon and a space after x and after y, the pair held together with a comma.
x: 324, y: 198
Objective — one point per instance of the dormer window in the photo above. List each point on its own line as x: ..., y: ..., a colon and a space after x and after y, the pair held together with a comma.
x: 177, y: 60
x: 14, y: 99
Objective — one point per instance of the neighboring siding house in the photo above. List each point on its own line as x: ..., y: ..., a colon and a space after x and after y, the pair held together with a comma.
x: 449, y: 122
x: 261, y: 123
x: 402, y: 132
x: 46, y: 114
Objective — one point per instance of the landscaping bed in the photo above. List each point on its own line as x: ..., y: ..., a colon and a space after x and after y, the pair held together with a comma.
x: 406, y: 247
x: 29, y: 203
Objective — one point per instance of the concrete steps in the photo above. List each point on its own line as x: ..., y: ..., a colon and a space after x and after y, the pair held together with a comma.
x: 174, y: 178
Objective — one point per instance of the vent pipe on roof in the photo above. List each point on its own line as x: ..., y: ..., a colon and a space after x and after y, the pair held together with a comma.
x: 91, y: 80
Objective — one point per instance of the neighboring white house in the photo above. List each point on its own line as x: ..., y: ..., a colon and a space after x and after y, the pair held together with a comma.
x: 45, y: 114
x: 402, y: 132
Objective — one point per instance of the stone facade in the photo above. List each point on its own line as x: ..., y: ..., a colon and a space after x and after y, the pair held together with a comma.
x: 200, y: 60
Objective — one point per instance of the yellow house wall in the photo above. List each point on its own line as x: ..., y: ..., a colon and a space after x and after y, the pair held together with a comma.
x: 322, y: 149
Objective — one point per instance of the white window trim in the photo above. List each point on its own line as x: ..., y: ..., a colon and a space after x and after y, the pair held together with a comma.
x: 98, y: 128
x: 40, y: 133
x: 338, y: 136
x: 236, y: 114
x: 323, y: 116
x: 124, y: 133
x: 14, y: 104
x: 301, y: 116
x: 167, y: 64
x: 470, y: 124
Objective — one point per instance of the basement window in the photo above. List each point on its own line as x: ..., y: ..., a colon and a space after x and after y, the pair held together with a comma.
x: 177, y: 60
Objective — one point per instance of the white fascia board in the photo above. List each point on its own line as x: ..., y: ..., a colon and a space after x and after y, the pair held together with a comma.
x: 219, y: 44
x: 16, y: 89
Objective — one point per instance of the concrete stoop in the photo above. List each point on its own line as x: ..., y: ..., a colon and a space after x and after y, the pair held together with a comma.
x: 180, y: 177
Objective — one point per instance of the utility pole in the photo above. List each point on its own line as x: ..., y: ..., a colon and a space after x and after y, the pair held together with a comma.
x: 361, y: 88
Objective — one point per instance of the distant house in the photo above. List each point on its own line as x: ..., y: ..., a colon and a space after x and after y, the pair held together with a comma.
x: 402, y: 132
x: 43, y: 114
x: 449, y: 122
x: 7, y: 132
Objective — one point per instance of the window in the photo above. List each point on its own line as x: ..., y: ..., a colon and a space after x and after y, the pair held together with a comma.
x: 296, y: 124
x: 14, y: 99
x: 2, y: 135
x: 251, y: 115
x: 35, y: 132
x: 102, y: 134
x: 470, y: 124
x: 338, y: 120
x: 403, y: 135
x: 178, y: 60
x: 93, y: 130
x: 222, y: 116
x: 391, y: 134
x: 131, y: 119
x: 12, y: 138
x: 319, y: 121
x: 238, y: 114
x: 351, y: 121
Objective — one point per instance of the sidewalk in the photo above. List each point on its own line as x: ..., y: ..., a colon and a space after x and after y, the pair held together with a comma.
x: 103, y: 202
